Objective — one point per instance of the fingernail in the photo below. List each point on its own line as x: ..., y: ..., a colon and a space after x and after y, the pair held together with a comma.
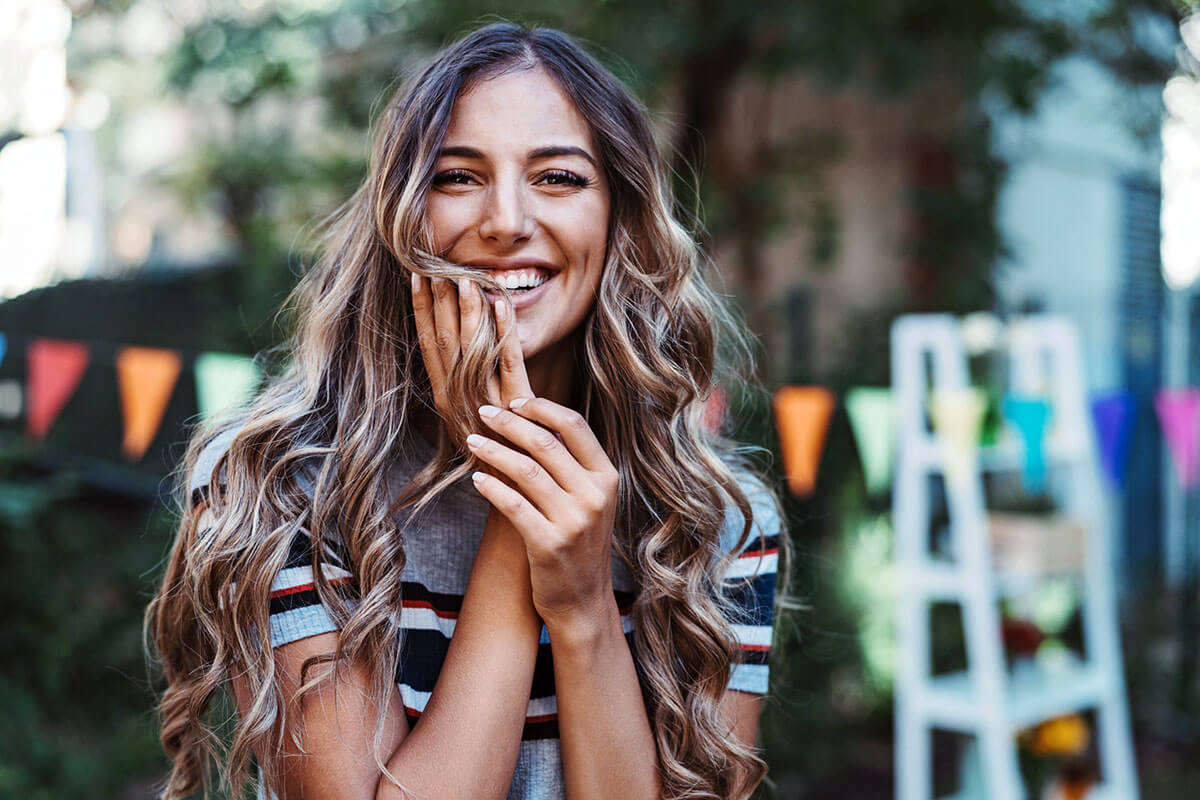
x: 501, y: 310
x: 520, y: 401
x: 416, y: 282
x: 475, y: 440
x: 464, y: 285
x: 487, y: 412
x: 478, y: 477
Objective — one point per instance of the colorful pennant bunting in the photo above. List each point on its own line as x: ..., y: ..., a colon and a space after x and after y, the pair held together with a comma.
x: 1029, y: 415
x: 1179, y: 415
x: 957, y: 416
x: 873, y: 422
x: 145, y: 378
x: 802, y: 414
x: 54, y: 370
x: 1113, y: 416
x: 224, y: 381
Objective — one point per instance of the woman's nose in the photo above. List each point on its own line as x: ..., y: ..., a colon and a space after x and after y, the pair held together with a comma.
x: 506, y: 218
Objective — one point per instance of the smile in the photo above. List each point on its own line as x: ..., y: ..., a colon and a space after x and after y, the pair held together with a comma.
x: 517, y: 281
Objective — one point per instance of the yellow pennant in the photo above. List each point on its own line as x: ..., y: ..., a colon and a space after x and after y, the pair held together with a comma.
x: 957, y: 416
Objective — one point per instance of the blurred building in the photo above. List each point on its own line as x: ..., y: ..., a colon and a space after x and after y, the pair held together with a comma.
x: 1080, y: 212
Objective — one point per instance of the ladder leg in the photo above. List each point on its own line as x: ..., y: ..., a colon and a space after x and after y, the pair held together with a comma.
x: 914, y: 757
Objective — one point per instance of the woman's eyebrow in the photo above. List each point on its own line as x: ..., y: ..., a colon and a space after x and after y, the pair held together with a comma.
x: 560, y: 150
x: 541, y: 152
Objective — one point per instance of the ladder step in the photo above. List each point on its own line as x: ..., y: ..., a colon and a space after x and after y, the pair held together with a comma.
x: 1034, y: 694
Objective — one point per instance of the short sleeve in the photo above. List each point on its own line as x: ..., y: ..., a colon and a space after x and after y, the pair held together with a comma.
x: 749, y: 583
x: 296, y: 610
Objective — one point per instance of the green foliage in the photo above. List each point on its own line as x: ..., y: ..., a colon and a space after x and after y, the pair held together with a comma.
x: 73, y: 566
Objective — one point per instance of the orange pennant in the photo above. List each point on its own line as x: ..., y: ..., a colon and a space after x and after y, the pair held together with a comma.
x: 54, y: 369
x: 145, y: 377
x: 802, y: 414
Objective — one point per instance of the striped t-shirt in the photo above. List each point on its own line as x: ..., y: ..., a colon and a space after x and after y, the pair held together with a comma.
x: 440, y: 546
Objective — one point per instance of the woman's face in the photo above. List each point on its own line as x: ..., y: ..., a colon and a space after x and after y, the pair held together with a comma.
x: 518, y: 191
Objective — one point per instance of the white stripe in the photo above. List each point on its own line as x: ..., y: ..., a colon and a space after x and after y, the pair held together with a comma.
x: 538, y: 706
x: 426, y: 619
x: 750, y: 566
x: 753, y: 634
x: 298, y: 576
x: 750, y: 678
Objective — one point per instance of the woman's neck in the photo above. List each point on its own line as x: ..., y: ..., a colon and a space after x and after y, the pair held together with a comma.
x: 552, y: 372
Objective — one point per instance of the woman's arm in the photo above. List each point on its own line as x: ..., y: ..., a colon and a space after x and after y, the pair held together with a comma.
x: 467, y: 741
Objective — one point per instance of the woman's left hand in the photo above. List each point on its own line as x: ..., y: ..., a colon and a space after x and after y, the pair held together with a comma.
x: 564, y: 503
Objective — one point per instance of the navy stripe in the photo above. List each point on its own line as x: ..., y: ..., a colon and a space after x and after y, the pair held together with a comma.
x: 199, y: 496
x: 411, y: 590
x: 755, y: 545
x: 309, y: 597
x: 755, y: 656
x: 754, y: 599
x: 424, y: 652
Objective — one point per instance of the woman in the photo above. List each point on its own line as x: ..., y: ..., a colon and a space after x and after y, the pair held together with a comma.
x: 488, y: 449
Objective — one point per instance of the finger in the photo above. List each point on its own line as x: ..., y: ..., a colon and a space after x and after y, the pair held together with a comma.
x: 541, y: 444
x: 572, y: 426
x: 470, y: 309
x: 445, y: 319
x: 525, y: 473
x: 528, y: 521
x: 422, y: 300
x: 514, y: 382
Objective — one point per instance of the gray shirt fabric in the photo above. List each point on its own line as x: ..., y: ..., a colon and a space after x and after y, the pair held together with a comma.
x: 440, y: 547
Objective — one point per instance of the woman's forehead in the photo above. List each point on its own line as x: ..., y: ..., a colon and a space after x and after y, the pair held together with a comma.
x: 518, y: 110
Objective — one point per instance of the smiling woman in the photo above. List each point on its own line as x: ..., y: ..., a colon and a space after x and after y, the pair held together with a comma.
x: 477, y: 540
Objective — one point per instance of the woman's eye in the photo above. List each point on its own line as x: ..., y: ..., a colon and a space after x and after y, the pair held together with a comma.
x: 561, y: 177
x: 452, y: 177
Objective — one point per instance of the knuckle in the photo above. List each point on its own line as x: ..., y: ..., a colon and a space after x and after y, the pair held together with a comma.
x: 531, y: 471
x: 545, y: 441
x: 576, y: 420
x: 444, y: 341
x: 511, y: 504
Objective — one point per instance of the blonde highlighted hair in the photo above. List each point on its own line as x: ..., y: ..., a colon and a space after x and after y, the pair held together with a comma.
x: 652, y: 351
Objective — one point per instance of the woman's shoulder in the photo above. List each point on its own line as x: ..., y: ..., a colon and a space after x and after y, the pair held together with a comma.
x: 201, y: 476
x: 766, y: 522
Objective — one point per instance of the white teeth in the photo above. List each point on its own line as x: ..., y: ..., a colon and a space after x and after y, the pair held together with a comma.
x: 521, y: 279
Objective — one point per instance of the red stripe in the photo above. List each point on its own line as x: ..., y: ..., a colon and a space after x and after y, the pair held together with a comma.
x: 304, y: 587
x: 757, y: 553
x: 426, y: 604
x: 762, y: 648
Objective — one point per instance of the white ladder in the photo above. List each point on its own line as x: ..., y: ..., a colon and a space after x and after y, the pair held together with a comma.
x: 986, y: 700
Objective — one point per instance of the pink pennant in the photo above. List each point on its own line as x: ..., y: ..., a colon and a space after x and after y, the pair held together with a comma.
x: 55, y: 368
x: 1179, y: 415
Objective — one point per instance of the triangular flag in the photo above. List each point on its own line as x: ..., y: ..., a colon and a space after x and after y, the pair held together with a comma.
x: 873, y: 421
x: 1179, y: 415
x: 224, y: 381
x: 3, y: 346
x: 802, y: 414
x: 54, y: 369
x: 1113, y: 416
x: 1029, y: 415
x: 957, y: 416
x: 145, y: 378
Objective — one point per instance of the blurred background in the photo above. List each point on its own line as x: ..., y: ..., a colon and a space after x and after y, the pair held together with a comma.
x: 163, y: 168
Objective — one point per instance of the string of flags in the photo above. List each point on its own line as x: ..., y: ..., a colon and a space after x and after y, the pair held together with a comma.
x: 146, y: 379
x: 802, y: 415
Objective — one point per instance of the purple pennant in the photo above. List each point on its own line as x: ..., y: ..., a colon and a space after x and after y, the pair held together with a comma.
x: 1112, y: 415
x: 1179, y: 415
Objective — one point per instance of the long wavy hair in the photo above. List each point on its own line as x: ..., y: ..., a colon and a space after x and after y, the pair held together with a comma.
x: 652, y: 351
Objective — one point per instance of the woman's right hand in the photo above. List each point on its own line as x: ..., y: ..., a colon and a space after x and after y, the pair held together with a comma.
x: 447, y: 316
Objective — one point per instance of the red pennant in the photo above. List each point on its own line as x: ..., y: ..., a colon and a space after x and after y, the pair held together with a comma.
x: 55, y: 367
